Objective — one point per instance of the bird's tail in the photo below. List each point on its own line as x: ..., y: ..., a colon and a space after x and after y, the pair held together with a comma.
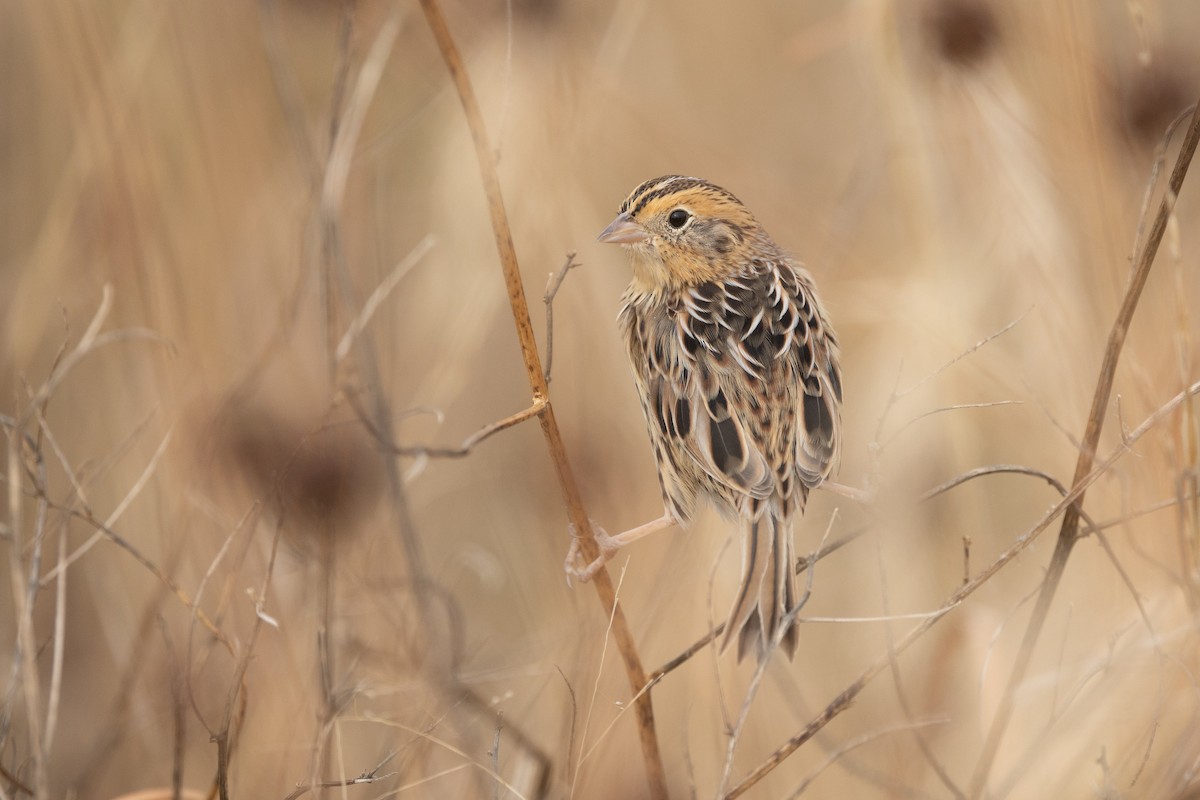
x: 768, y: 590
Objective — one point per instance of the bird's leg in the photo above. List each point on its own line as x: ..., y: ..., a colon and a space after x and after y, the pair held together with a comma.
x: 609, y: 545
x: 862, y: 496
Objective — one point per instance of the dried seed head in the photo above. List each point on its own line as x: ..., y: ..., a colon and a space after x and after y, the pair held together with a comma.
x: 325, y: 475
x: 964, y: 32
x: 1154, y: 97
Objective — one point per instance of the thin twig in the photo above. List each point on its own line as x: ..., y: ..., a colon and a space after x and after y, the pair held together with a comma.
x: 760, y: 670
x: 494, y: 753
x: 931, y: 758
x: 804, y: 561
x: 359, y: 781
x: 428, y: 736
x: 469, y: 443
x: 102, y: 528
x: 286, y: 88
x: 681, y: 659
x: 244, y: 522
x: 380, y: 294
x: 458, y: 692
x: 655, y: 773
x: 585, y: 752
x: 552, y: 287
x: 169, y: 582
x: 1069, y: 530
x: 966, y: 543
x: 985, y: 340
x: 225, y: 735
x: 370, y: 776
x: 344, y: 135
x: 24, y: 588
x: 569, y: 762
x: 944, y: 409
x: 855, y: 743
x: 60, y: 626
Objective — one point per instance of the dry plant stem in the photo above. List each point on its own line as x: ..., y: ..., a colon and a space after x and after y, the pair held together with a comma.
x: 23, y: 588
x: 570, y: 762
x: 681, y: 659
x: 12, y: 779
x: 655, y: 774
x: 552, y: 287
x: 1069, y: 530
x: 854, y: 744
x: 224, y: 736
x: 923, y: 745
x: 469, y: 443
x: 848, y: 695
x: 427, y: 736
x: 370, y: 776
x: 178, y: 711
x: 286, y: 87
x: 25, y: 457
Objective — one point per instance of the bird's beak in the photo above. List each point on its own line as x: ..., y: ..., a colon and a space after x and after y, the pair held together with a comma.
x: 623, y: 230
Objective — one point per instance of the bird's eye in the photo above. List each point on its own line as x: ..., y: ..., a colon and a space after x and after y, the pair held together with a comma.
x: 678, y: 218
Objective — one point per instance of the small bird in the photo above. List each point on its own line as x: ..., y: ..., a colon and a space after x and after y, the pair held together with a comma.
x: 737, y: 369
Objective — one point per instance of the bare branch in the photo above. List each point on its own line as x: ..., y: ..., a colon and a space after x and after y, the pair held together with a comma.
x: 856, y: 743
x: 931, y: 758
x: 365, y: 778
x: 966, y: 543
x: 985, y: 340
x: 552, y: 287
x: 569, y: 762
x: 944, y: 409
x: 426, y: 735
x: 380, y: 294
x: 470, y: 442
x: 117, y: 513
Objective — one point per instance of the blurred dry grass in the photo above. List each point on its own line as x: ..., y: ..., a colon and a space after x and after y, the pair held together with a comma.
x: 944, y: 167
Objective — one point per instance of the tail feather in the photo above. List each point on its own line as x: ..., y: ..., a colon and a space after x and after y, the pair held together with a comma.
x: 768, y: 590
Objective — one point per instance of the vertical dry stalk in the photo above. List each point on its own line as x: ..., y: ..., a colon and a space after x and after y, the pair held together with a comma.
x: 24, y: 590
x: 1069, y: 532
x: 622, y: 634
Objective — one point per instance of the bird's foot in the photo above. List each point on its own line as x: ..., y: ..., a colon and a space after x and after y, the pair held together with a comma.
x: 576, y: 565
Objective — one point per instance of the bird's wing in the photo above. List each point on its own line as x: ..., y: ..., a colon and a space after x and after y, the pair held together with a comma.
x: 717, y: 376
x: 815, y: 358
x: 687, y: 403
x: 764, y: 361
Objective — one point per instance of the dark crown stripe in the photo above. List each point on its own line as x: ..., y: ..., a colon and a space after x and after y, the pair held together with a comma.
x: 667, y: 185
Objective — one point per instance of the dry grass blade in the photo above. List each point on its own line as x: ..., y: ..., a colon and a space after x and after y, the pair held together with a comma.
x: 1069, y: 530
x: 380, y: 294
x: 655, y: 774
x: 857, y: 742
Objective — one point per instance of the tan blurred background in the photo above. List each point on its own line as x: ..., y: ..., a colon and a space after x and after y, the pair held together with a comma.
x: 944, y: 168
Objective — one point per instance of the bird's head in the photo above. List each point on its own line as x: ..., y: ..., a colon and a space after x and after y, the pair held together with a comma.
x: 683, y: 232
